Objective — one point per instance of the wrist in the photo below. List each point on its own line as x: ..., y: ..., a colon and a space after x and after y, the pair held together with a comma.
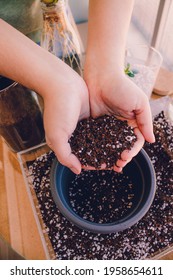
x: 98, y: 66
x: 55, y: 75
x: 105, y: 58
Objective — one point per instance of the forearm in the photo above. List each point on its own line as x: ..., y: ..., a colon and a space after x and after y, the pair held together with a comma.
x: 108, y: 27
x: 27, y: 63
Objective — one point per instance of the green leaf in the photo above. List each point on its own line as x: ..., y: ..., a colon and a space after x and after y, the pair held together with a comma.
x: 129, y: 72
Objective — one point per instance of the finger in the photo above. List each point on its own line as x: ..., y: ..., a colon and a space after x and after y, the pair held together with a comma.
x: 103, y: 167
x: 144, y: 121
x: 122, y: 163
x: 89, y: 167
x: 117, y: 169
x: 127, y: 155
x: 63, y: 152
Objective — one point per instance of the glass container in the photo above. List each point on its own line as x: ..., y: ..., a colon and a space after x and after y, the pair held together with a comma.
x: 24, y: 15
x: 26, y: 159
x: 21, y: 123
x: 142, y: 64
x: 59, y: 33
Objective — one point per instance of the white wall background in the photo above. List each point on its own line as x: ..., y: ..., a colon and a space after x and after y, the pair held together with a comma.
x: 79, y: 10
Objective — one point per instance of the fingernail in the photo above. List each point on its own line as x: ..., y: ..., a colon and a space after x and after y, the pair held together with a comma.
x: 75, y: 170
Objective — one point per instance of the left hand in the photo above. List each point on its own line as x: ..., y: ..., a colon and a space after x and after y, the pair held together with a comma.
x: 115, y: 94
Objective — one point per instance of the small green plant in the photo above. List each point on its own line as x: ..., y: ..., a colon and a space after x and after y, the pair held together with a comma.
x: 128, y: 71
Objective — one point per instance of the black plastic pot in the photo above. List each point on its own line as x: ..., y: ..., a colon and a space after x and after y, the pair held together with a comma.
x: 141, y: 172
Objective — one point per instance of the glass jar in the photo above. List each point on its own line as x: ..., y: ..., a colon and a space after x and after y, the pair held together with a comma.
x: 21, y: 122
x: 24, y: 15
x: 59, y: 35
x: 143, y: 63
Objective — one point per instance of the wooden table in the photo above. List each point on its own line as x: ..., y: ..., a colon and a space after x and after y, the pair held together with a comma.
x: 17, y: 223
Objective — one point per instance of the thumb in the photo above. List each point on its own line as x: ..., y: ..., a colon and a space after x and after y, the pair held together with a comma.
x: 63, y: 152
x: 144, y: 121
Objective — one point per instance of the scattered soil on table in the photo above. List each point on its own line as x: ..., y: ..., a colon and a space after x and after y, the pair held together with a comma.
x: 152, y: 234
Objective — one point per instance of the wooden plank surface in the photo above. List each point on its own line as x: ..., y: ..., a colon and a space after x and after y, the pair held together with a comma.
x: 17, y: 223
x: 6, y: 252
x: 4, y: 226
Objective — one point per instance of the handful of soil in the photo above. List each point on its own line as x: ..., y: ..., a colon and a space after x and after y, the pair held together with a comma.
x: 101, y: 140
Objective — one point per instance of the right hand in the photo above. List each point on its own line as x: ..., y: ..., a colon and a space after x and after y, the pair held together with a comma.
x: 112, y: 93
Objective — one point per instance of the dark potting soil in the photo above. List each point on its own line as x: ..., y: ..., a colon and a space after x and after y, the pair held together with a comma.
x: 101, y: 140
x: 152, y: 234
x: 103, y: 196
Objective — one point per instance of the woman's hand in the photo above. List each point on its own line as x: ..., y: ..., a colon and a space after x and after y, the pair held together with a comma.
x: 66, y: 103
x: 64, y: 92
x: 113, y: 93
